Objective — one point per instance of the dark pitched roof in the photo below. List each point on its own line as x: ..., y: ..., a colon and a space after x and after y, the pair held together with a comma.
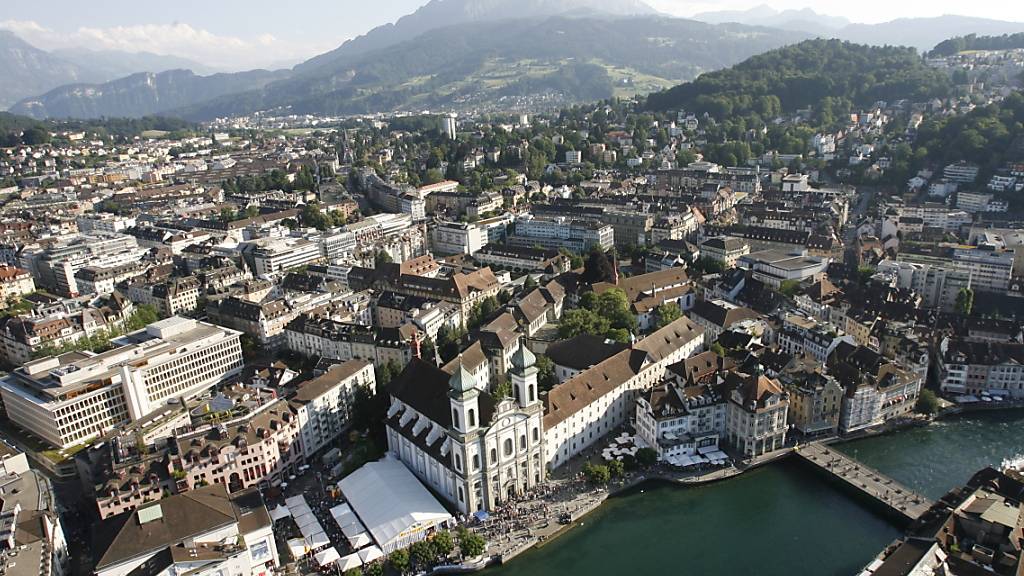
x: 424, y: 387
x: 183, y: 515
x: 583, y: 351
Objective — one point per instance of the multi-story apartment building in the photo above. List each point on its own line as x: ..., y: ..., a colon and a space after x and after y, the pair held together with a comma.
x: 554, y: 233
x: 725, y: 249
x: 229, y: 534
x: 990, y: 270
x: 522, y: 259
x: 32, y: 541
x: 264, y: 321
x: 317, y: 336
x: 104, y: 222
x: 815, y: 399
x: 457, y: 238
x: 474, y: 449
x: 679, y: 422
x: 103, y: 280
x: 170, y: 298
x: 271, y: 258
x: 14, y: 283
x: 938, y: 283
x: 972, y: 366
x: 877, y: 389
x: 756, y: 416
x: 22, y: 338
x: 259, y: 448
x: 54, y: 266
x: 598, y: 400
x: 68, y: 399
x: 324, y: 404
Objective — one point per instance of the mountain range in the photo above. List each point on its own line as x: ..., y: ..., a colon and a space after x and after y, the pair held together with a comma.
x: 28, y: 71
x: 461, y: 54
x: 921, y: 33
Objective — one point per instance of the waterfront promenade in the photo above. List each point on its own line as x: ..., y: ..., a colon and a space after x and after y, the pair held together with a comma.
x: 897, y: 498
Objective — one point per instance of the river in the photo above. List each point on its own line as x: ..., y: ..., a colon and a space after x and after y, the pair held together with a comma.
x: 782, y: 519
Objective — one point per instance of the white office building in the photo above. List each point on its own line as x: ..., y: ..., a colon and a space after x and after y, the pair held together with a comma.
x: 324, y: 404
x: 68, y: 399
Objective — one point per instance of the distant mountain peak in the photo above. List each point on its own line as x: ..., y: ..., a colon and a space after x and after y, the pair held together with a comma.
x: 440, y: 13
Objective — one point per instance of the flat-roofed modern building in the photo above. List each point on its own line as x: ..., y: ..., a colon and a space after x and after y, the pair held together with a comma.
x: 68, y: 399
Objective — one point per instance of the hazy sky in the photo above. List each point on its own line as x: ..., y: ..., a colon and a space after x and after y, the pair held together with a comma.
x: 239, y: 34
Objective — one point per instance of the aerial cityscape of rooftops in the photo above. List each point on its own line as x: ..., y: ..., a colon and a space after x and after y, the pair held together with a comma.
x: 517, y: 287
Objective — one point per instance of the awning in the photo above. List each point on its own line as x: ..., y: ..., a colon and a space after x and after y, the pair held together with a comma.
x: 481, y: 515
x: 280, y: 512
x: 349, y: 562
x: 361, y: 540
x: 300, y: 510
x: 305, y: 520
x: 327, y: 556
x: 350, y: 530
x: 310, y: 529
x: 370, y: 554
x: 317, y: 541
x: 295, y: 501
x: 297, y: 546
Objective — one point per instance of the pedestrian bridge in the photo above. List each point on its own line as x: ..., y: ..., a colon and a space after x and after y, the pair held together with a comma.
x: 895, y: 497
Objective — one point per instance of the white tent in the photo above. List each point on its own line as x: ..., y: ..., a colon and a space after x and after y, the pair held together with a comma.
x: 360, y: 540
x: 341, y: 509
x: 318, y: 540
x: 347, y: 519
x: 280, y: 512
x: 297, y: 546
x: 350, y: 530
x: 327, y: 556
x: 295, y: 501
x: 300, y: 510
x: 370, y: 554
x: 304, y: 520
x: 310, y: 529
x: 349, y: 562
x: 392, y: 503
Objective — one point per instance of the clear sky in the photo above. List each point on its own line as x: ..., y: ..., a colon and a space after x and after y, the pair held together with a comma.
x: 239, y: 34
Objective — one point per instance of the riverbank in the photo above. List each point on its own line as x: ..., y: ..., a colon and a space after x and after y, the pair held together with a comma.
x: 593, y: 500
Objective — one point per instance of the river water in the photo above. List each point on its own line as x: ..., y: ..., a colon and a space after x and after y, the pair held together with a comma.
x: 782, y: 519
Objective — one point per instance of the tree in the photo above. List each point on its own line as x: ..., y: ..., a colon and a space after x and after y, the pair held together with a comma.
x: 353, y: 572
x: 399, y: 560
x: 616, y: 468
x: 596, y: 473
x: 35, y: 136
x: 667, y: 314
x: 529, y: 284
x: 575, y: 260
x: 581, y: 321
x: 250, y: 347
x: 471, y: 545
x: 964, y: 301
x: 927, y: 402
x: 422, y: 554
x: 646, y: 456
x: 374, y: 569
x: 614, y: 306
x: 381, y: 258
x: 546, y: 378
x: 503, y: 390
x: 598, y: 267
x: 443, y: 544
x: 789, y: 287
x: 717, y: 349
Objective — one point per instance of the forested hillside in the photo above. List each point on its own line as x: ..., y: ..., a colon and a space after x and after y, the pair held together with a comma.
x: 810, y: 73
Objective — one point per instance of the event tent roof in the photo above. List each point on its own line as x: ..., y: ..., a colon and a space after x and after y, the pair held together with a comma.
x: 390, y: 500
